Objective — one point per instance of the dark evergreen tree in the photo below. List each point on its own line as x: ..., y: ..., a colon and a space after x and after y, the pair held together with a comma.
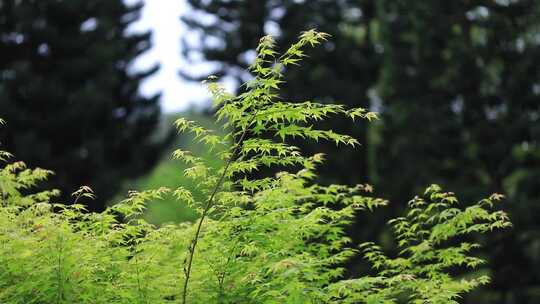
x: 67, y: 94
x: 458, y: 87
x: 461, y: 107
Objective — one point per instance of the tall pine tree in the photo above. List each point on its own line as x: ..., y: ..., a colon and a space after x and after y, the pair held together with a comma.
x: 458, y: 87
x: 461, y: 107
x: 67, y: 94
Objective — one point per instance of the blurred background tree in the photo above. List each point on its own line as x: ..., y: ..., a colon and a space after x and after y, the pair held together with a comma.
x: 457, y: 84
x: 68, y: 96
x: 460, y: 85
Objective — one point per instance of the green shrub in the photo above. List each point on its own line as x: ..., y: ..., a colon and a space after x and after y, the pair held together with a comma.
x: 273, y: 239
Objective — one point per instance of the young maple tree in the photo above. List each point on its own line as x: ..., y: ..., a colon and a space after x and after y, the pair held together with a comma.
x: 268, y: 239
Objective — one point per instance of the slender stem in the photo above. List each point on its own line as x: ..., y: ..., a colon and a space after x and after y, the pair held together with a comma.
x: 60, y: 288
x: 209, y: 204
x: 223, y: 275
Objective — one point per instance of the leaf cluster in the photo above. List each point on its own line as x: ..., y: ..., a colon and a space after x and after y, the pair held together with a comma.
x: 271, y: 239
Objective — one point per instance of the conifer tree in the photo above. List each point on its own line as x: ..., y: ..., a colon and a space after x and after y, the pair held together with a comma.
x: 67, y: 93
x: 457, y: 85
x: 466, y: 72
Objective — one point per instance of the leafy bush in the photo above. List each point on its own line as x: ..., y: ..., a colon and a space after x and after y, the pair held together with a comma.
x: 271, y: 239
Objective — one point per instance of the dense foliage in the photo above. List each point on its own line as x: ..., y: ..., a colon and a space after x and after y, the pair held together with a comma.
x: 275, y: 239
x: 68, y: 93
x: 457, y: 86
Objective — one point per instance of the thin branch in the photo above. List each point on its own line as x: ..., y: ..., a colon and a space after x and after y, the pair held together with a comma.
x: 209, y: 205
